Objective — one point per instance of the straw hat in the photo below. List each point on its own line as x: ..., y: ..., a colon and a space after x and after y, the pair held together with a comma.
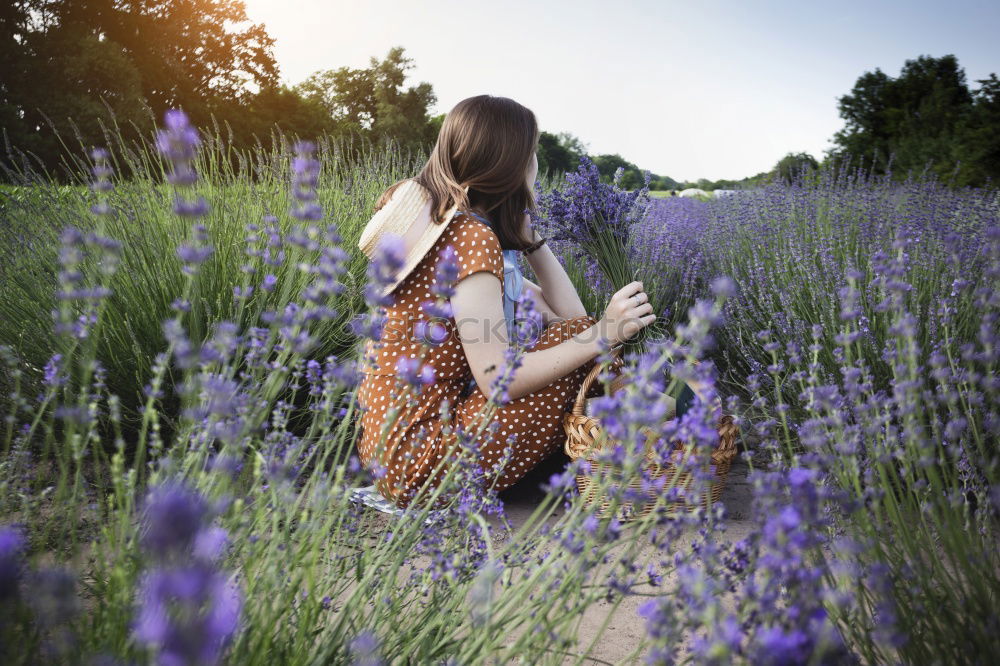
x: 396, y: 217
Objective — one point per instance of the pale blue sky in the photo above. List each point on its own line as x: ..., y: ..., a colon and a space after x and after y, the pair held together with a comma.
x: 709, y: 89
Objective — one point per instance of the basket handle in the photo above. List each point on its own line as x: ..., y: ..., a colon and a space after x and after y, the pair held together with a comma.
x: 581, y: 396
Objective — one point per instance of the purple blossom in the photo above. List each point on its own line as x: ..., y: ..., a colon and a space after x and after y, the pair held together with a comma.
x: 365, y: 649
x: 413, y: 372
x: 52, y: 375
x: 596, y: 220
x: 382, y: 270
x: 431, y: 333
x: 188, y: 610
x: 173, y: 517
x: 11, y: 561
x: 197, y: 207
x: 101, y: 180
x: 193, y: 255
x: 75, y: 246
x: 188, y: 614
x: 179, y: 143
x: 587, y: 207
x: 197, y: 252
x: 446, y: 273
x: 305, y: 176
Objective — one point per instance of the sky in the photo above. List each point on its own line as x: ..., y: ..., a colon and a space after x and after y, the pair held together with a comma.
x: 690, y: 90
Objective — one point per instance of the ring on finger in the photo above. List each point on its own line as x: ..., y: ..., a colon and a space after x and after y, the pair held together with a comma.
x: 635, y: 299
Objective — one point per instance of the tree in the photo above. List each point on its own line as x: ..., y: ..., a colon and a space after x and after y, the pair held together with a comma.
x: 77, y: 86
x: 189, y: 53
x: 608, y: 164
x: 980, y: 136
x: 373, y: 101
x: 279, y: 108
x: 559, y: 153
x: 794, y: 165
x: 916, y: 119
x: 82, y: 64
x: 662, y: 183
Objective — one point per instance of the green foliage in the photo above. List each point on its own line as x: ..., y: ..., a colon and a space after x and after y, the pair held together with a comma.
x: 632, y: 176
x: 188, y: 53
x: 65, y: 83
x: 80, y: 66
x: 374, y: 100
x: 559, y: 153
x: 241, y: 186
x: 307, y: 560
x: 84, y: 67
x: 980, y: 135
x: 924, y: 118
x: 900, y: 437
x: 795, y: 165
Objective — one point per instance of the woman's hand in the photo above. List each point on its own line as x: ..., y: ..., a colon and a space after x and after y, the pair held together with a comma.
x: 628, y: 313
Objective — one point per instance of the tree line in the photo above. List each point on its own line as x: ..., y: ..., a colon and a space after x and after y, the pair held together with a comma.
x: 75, y: 68
x: 926, y: 119
x: 71, y: 68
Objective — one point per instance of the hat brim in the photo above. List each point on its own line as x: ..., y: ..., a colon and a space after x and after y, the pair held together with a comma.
x: 420, y: 249
x: 396, y: 217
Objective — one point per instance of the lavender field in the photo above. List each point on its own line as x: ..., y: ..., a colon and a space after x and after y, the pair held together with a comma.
x: 179, y: 349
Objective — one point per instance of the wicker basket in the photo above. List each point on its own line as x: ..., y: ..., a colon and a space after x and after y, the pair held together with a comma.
x: 585, y: 438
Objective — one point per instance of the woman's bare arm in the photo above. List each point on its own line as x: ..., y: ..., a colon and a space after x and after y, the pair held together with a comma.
x: 478, y: 310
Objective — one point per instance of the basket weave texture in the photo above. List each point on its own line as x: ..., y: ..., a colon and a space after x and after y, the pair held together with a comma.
x: 585, y: 438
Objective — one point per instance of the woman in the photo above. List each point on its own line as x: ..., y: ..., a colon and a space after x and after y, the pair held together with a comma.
x: 472, y: 195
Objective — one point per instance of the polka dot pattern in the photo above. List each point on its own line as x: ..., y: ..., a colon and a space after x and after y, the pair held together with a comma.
x: 531, y: 425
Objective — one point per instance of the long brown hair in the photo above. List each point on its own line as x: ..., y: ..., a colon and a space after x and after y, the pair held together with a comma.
x: 485, y: 143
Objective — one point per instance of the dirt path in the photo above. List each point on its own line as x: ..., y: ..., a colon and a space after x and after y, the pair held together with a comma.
x: 625, y: 627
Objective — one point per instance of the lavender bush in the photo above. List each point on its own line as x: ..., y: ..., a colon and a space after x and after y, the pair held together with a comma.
x: 859, y: 360
x: 241, y: 199
x: 594, y: 221
x: 232, y: 536
x: 861, y: 344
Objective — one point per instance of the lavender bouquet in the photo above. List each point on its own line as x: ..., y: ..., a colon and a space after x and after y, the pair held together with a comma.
x: 595, y: 220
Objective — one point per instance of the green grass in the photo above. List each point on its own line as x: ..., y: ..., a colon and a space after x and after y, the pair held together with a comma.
x: 241, y: 188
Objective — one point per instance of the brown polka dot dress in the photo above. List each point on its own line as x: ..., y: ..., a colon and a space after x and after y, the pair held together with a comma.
x: 531, y: 425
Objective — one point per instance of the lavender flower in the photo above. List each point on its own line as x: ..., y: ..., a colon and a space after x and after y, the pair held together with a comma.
x: 74, y: 248
x: 52, y: 372
x: 174, y: 516
x: 179, y: 143
x: 365, y: 649
x: 197, y: 252
x: 101, y: 182
x: 414, y: 373
x: 597, y: 218
x: 188, y: 609
x: 11, y: 562
x: 382, y: 270
x: 305, y: 176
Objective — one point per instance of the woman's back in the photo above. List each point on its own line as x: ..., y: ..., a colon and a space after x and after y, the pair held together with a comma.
x: 476, y: 249
x: 415, y: 442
